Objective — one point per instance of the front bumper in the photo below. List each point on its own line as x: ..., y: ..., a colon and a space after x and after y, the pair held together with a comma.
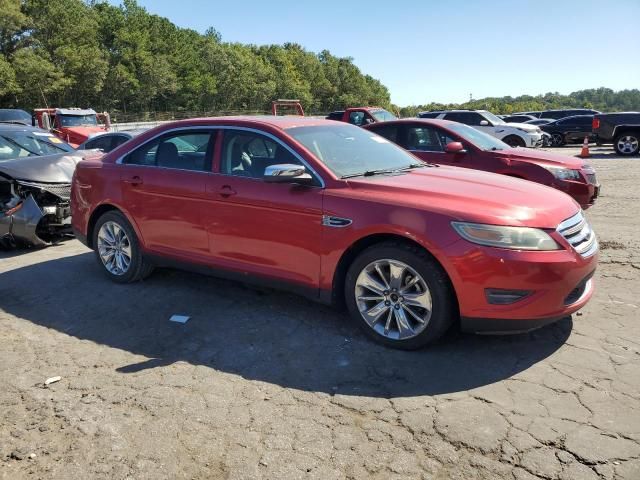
x: 534, y: 140
x: 582, y: 192
x: 558, y: 283
x: 26, y: 225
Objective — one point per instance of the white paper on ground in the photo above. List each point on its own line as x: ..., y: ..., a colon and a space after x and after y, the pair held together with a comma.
x: 179, y: 318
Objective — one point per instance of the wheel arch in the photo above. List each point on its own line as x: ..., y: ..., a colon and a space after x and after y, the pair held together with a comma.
x: 360, y: 245
x: 101, y: 210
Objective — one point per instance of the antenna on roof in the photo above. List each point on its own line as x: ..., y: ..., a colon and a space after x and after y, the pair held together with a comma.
x: 43, y: 97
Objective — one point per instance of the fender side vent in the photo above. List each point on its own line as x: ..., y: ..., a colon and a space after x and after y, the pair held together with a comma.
x: 329, y: 221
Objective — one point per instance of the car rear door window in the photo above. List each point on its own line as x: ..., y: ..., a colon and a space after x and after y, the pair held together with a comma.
x: 183, y: 150
x: 248, y: 154
x: 356, y: 118
x: 423, y: 138
x: 390, y: 132
x: 102, y: 142
x: 468, y: 118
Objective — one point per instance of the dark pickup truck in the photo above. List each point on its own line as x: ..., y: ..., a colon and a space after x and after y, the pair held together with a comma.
x: 622, y: 129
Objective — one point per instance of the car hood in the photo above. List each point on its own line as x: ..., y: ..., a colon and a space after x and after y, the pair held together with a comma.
x: 524, y: 126
x: 541, y: 157
x: 57, y: 168
x: 470, y: 195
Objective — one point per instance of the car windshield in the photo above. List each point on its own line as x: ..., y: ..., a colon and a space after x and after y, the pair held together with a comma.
x: 493, y: 119
x: 78, y: 120
x: 27, y: 144
x: 382, y: 115
x: 348, y: 150
x: 480, y: 139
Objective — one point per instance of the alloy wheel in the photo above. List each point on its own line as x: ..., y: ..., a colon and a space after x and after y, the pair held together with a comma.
x: 114, y: 248
x: 627, y: 144
x: 556, y: 139
x: 393, y: 299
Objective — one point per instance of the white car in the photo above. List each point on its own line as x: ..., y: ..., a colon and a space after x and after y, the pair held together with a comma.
x: 514, y: 134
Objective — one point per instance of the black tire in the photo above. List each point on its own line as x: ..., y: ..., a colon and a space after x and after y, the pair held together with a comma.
x: 514, y: 141
x: 557, y: 140
x: 139, y: 267
x: 635, y: 140
x: 444, y: 306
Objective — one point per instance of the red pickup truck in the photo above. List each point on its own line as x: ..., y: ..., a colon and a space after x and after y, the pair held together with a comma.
x: 362, y: 115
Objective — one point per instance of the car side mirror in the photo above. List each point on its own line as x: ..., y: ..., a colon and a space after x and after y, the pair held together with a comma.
x: 455, y: 147
x: 287, y: 173
x: 484, y: 123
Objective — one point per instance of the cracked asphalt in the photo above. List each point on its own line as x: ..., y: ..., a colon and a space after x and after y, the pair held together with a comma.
x: 261, y: 384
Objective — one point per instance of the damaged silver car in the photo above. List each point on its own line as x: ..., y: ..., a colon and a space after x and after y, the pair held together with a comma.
x: 35, y: 186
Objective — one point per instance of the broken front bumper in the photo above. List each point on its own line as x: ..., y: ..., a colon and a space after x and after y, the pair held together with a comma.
x: 24, y: 224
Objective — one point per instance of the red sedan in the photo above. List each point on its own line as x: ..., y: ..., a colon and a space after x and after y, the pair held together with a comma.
x: 451, y: 143
x: 343, y: 216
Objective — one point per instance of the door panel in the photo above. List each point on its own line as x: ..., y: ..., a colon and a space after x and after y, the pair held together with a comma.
x: 168, y: 203
x: 269, y: 229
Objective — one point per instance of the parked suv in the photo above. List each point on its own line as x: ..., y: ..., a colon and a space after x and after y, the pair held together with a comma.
x: 622, y: 129
x: 513, y: 134
x: 566, y: 112
x: 343, y: 216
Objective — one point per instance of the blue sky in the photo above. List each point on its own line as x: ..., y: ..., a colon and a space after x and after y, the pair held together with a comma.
x: 443, y: 50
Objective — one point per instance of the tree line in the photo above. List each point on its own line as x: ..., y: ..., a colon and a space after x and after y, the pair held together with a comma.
x: 603, y: 99
x: 122, y: 58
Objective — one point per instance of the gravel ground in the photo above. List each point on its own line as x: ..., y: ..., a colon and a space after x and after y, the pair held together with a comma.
x: 261, y: 384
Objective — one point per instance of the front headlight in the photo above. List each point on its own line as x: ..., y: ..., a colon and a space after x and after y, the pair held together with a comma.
x: 516, y: 238
x: 564, y: 173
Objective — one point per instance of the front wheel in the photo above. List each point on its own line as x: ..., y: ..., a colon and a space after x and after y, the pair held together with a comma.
x: 514, y: 141
x: 118, y: 250
x: 557, y: 139
x: 627, y: 143
x: 399, y: 296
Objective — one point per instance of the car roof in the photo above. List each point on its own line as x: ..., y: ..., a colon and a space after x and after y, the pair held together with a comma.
x: 279, y: 122
x: 428, y: 121
x: 576, y: 116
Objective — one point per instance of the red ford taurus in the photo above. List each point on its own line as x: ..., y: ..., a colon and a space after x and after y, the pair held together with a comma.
x: 451, y: 143
x: 341, y: 215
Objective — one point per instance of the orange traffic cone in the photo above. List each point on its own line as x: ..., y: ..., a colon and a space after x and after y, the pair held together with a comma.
x: 584, y: 153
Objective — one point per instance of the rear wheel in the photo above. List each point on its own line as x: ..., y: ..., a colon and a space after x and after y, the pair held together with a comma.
x: 399, y: 296
x: 514, y: 141
x: 557, y: 139
x: 627, y: 143
x: 118, y: 250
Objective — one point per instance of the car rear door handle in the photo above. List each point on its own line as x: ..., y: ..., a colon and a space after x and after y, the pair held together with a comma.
x: 226, y: 191
x: 135, y: 180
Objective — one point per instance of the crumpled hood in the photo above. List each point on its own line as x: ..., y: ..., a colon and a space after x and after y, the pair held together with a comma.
x: 470, y: 195
x: 542, y: 157
x: 56, y: 168
x: 523, y: 126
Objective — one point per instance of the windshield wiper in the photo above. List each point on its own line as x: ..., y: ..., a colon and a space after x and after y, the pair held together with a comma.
x: 385, y: 171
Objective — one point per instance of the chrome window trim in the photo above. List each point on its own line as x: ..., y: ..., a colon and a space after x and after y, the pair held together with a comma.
x: 119, y: 160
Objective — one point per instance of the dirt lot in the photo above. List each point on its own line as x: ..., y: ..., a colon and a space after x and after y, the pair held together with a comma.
x: 262, y: 384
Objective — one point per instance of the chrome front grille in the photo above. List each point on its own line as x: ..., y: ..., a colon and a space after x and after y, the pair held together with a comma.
x: 62, y: 190
x: 577, y: 231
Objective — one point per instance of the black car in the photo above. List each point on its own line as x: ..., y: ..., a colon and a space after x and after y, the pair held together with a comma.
x: 15, y: 115
x: 569, y: 130
x: 520, y: 118
x: 566, y: 112
x: 35, y: 186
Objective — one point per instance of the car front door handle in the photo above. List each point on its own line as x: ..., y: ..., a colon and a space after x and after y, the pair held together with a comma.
x: 134, y: 181
x: 226, y: 191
